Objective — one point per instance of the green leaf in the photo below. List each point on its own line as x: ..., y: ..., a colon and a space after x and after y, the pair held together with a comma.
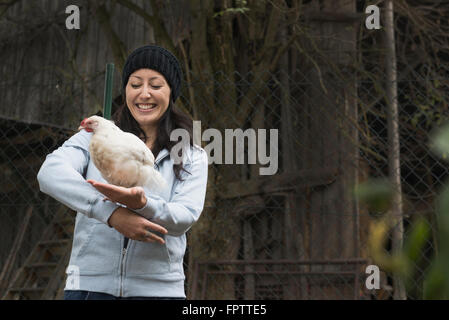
x: 377, y: 194
x: 435, y: 283
x: 416, y: 240
x: 440, y: 141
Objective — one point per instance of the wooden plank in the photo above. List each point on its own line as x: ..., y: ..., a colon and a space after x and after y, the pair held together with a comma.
x: 54, y: 243
x: 278, y: 183
x: 26, y: 278
x: 35, y: 136
x: 10, y: 261
x: 248, y: 253
x: 22, y: 164
x: 42, y: 269
x: 36, y: 265
x: 328, y: 16
x: 27, y: 289
x: 11, y: 187
x: 53, y: 287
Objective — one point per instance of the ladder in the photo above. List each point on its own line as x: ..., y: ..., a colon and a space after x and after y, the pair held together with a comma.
x: 42, y: 276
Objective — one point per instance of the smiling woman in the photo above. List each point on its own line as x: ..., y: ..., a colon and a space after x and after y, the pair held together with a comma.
x: 151, y: 81
x: 142, y: 233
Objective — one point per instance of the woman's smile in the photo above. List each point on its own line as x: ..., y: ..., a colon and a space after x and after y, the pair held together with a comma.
x: 146, y: 107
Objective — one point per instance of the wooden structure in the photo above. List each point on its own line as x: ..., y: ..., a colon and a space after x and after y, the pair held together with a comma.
x: 305, y: 215
x: 42, y: 276
x: 50, y: 81
x: 32, y: 240
x: 287, y: 230
x: 56, y: 76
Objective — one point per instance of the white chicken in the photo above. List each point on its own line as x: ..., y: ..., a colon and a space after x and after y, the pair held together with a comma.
x: 121, y: 157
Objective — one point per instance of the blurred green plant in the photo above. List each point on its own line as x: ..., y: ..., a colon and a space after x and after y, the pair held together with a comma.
x: 430, y: 105
x: 439, y: 142
x: 436, y: 285
x: 377, y: 194
x: 241, y: 8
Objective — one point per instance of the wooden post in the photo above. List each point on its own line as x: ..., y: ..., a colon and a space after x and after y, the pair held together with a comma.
x: 328, y: 110
x: 109, y: 80
x: 393, y: 141
x: 248, y: 252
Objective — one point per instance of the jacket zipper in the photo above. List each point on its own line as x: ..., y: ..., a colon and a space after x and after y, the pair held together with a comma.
x: 122, y: 269
x: 127, y: 241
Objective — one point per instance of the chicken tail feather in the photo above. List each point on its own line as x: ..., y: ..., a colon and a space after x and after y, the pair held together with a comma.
x: 154, y: 180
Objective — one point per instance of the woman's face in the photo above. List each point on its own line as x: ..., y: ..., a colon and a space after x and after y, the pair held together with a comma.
x: 147, y: 96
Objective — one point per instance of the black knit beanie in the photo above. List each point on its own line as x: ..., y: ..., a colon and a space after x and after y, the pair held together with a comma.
x: 158, y: 59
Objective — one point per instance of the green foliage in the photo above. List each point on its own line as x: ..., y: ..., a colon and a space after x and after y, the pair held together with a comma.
x: 239, y: 9
x: 430, y: 106
x: 436, y: 285
x: 440, y: 142
x: 377, y: 195
x: 413, y: 252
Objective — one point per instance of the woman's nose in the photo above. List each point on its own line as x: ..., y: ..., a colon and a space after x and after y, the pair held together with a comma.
x: 146, y: 92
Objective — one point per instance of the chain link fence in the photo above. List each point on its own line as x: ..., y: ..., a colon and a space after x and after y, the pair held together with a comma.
x: 297, y: 234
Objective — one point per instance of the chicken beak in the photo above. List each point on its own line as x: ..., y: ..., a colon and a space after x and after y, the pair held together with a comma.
x: 82, y: 125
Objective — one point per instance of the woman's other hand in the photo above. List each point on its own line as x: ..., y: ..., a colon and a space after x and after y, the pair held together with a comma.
x: 135, y: 227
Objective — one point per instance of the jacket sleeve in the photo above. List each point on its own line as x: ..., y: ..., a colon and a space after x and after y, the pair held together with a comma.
x: 187, y: 202
x: 61, y: 177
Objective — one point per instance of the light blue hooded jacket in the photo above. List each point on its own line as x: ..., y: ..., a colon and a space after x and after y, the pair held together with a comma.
x: 98, y: 253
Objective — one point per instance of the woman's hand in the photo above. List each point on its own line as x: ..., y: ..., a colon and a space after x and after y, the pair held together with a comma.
x: 133, y: 198
x: 135, y: 227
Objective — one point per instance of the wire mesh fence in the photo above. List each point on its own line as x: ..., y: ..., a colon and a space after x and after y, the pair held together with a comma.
x: 296, y: 234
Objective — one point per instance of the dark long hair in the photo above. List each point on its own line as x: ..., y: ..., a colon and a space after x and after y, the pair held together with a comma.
x: 172, y: 119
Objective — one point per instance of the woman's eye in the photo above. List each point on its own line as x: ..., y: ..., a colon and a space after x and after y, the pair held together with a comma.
x: 135, y: 86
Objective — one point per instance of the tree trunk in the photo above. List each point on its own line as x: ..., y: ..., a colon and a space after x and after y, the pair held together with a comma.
x: 393, y: 142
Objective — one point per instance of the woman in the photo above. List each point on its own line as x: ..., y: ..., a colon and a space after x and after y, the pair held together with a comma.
x: 134, y: 250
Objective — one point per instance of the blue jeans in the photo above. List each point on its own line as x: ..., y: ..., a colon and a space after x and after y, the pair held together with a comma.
x: 91, y: 295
